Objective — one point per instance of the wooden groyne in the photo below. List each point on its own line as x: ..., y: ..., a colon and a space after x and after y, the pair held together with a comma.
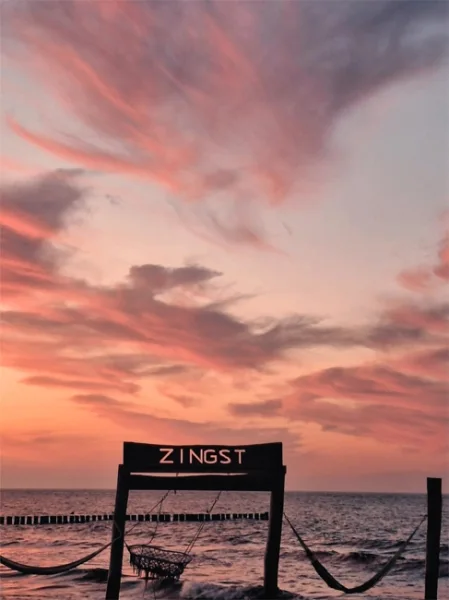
x: 163, y: 518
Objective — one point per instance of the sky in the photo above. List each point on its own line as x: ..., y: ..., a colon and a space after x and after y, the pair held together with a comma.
x: 225, y: 223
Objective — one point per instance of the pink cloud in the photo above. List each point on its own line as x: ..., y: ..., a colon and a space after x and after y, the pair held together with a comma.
x: 398, y: 398
x: 93, y: 341
x: 237, y: 101
x: 428, y: 278
x: 134, y: 419
x: 432, y: 363
x: 264, y: 408
x: 442, y: 268
x: 374, y: 401
x: 66, y: 333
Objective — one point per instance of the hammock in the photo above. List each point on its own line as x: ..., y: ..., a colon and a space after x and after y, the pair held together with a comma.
x: 158, y: 563
x: 336, y: 585
x: 33, y: 570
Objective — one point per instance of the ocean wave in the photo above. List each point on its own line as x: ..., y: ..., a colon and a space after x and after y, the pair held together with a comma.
x: 361, y: 556
x: 380, y: 544
x: 419, y: 564
x: 96, y: 574
x: 198, y: 591
x: 238, y: 540
x: 11, y: 543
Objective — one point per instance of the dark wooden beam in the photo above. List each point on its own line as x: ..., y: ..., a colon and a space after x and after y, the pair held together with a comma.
x: 434, y: 512
x: 260, y: 482
x: 118, y: 535
x: 273, y: 549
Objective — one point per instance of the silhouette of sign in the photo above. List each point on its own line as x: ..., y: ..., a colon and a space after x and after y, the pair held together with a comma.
x: 147, y: 458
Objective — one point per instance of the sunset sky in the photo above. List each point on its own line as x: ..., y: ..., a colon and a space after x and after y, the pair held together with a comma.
x: 225, y: 222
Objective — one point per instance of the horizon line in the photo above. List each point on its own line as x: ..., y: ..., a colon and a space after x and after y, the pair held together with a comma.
x: 89, y: 489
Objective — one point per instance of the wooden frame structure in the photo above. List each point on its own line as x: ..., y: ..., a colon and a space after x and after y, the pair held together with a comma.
x: 255, y: 468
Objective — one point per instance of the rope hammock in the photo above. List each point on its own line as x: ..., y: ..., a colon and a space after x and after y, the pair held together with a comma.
x: 336, y: 585
x: 155, y: 562
x: 55, y: 570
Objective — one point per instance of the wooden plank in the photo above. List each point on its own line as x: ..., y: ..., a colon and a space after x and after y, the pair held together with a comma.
x: 152, y: 458
x: 118, y: 535
x: 434, y: 512
x: 263, y: 482
x: 273, y: 548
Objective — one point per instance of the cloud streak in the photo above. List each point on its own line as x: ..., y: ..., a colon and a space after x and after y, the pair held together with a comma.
x: 429, y: 278
x: 401, y: 397
x: 32, y: 215
x: 158, y: 320
x: 186, y: 432
x: 234, y: 103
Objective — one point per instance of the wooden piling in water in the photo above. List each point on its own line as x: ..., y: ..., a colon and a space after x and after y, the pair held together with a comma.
x: 118, y: 535
x: 434, y: 513
x: 273, y: 548
x: 162, y: 518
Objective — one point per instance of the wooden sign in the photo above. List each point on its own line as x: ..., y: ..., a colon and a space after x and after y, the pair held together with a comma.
x: 151, y: 458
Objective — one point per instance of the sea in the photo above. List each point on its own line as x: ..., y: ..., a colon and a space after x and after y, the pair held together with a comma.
x: 353, y: 535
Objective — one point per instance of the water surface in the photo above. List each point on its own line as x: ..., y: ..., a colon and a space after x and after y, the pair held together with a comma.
x: 353, y: 535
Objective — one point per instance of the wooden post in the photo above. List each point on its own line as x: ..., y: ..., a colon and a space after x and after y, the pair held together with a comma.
x: 274, y: 539
x: 118, y: 534
x: 434, y: 510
